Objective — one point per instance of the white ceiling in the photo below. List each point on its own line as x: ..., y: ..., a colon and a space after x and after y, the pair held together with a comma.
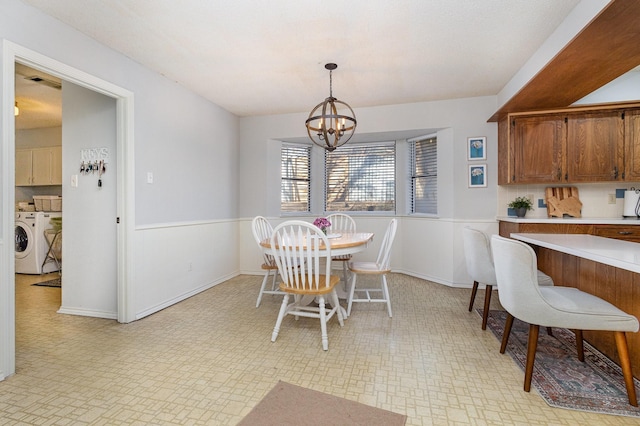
x: 267, y: 57
x: 39, y: 102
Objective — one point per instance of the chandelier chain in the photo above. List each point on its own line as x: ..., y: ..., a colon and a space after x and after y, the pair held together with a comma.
x: 331, y: 83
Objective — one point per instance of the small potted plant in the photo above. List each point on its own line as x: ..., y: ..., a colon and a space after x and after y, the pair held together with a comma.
x: 521, y: 205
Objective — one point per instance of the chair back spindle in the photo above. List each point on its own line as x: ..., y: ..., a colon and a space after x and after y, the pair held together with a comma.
x: 341, y: 222
x: 384, y: 255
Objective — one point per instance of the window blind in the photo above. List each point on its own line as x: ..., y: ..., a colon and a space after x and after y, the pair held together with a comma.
x: 424, y: 176
x: 295, y: 192
x: 361, y: 177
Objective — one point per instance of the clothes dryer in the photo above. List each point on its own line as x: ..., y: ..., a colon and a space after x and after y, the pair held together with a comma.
x: 30, y: 243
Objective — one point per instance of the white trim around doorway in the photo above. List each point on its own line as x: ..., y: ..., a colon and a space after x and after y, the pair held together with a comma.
x: 12, y: 53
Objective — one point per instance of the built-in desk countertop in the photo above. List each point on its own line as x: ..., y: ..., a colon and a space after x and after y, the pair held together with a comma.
x: 572, y: 220
x: 617, y: 253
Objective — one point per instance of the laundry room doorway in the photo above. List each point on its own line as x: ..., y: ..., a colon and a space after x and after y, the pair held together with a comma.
x: 38, y: 179
x: 97, y: 105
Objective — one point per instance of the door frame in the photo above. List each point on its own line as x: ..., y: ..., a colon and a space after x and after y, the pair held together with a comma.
x: 125, y: 206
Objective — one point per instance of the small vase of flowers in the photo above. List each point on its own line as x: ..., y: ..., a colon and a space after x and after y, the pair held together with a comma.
x: 322, y: 223
x: 521, y: 205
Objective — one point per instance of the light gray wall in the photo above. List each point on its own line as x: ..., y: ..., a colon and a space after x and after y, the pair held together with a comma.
x: 89, y: 285
x: 37, y: 138
x: 187, y: 142
x: 190, y: 146
x: 622, y: 89
x: 458, y: 119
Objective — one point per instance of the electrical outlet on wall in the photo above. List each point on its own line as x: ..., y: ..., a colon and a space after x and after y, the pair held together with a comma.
x: 612, y: 198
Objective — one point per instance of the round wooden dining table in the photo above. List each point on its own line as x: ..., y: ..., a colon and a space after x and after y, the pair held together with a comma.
x: 341, y: 244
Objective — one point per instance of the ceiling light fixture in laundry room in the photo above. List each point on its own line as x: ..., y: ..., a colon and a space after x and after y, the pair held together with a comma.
x: 332, y: 122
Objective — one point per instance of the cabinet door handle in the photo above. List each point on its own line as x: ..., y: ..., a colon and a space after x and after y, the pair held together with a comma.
x: 625, y: 232
x: 615, y: 172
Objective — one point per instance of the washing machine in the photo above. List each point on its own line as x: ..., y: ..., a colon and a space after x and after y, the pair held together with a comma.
x: 31, y: 245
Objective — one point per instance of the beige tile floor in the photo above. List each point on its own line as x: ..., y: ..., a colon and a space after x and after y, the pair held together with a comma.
x: 209, y: 360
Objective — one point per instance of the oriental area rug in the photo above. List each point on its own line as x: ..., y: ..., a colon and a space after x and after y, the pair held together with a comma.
x: 288, y: 404
x: 596, y: 385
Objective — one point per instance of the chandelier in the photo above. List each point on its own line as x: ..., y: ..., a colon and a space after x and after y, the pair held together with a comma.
x: 332, y: 122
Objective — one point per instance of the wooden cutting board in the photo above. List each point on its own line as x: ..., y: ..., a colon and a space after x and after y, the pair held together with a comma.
x: 563, y: 200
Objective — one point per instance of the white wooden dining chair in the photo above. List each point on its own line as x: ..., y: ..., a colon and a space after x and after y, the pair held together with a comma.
x: 299, y: 247
x: 380, y: 267
x: 262, y: 230
x: 341, y: 223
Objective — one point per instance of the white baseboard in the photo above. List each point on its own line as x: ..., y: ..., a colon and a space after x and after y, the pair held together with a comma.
x: 88, y: 313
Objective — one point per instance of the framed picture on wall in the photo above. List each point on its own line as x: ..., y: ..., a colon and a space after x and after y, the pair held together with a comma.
x: 477, y: 175
x: 476, y: 148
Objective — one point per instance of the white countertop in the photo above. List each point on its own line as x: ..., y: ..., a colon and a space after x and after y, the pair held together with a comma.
x: 617, y: 253
x: 584, y: 220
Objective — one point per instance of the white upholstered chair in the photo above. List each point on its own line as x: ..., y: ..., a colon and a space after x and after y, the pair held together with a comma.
x: 477, y: 253
x: 262, y: 230
x: 556, y: 306
x: 340, y: 223
x: 379, y: 267
x: 299, y: 247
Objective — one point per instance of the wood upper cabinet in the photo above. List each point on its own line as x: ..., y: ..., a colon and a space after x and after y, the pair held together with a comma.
x: 632, y: 145
x: 538, y: 144
x: 566, y: 146
x: 595, y: 147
